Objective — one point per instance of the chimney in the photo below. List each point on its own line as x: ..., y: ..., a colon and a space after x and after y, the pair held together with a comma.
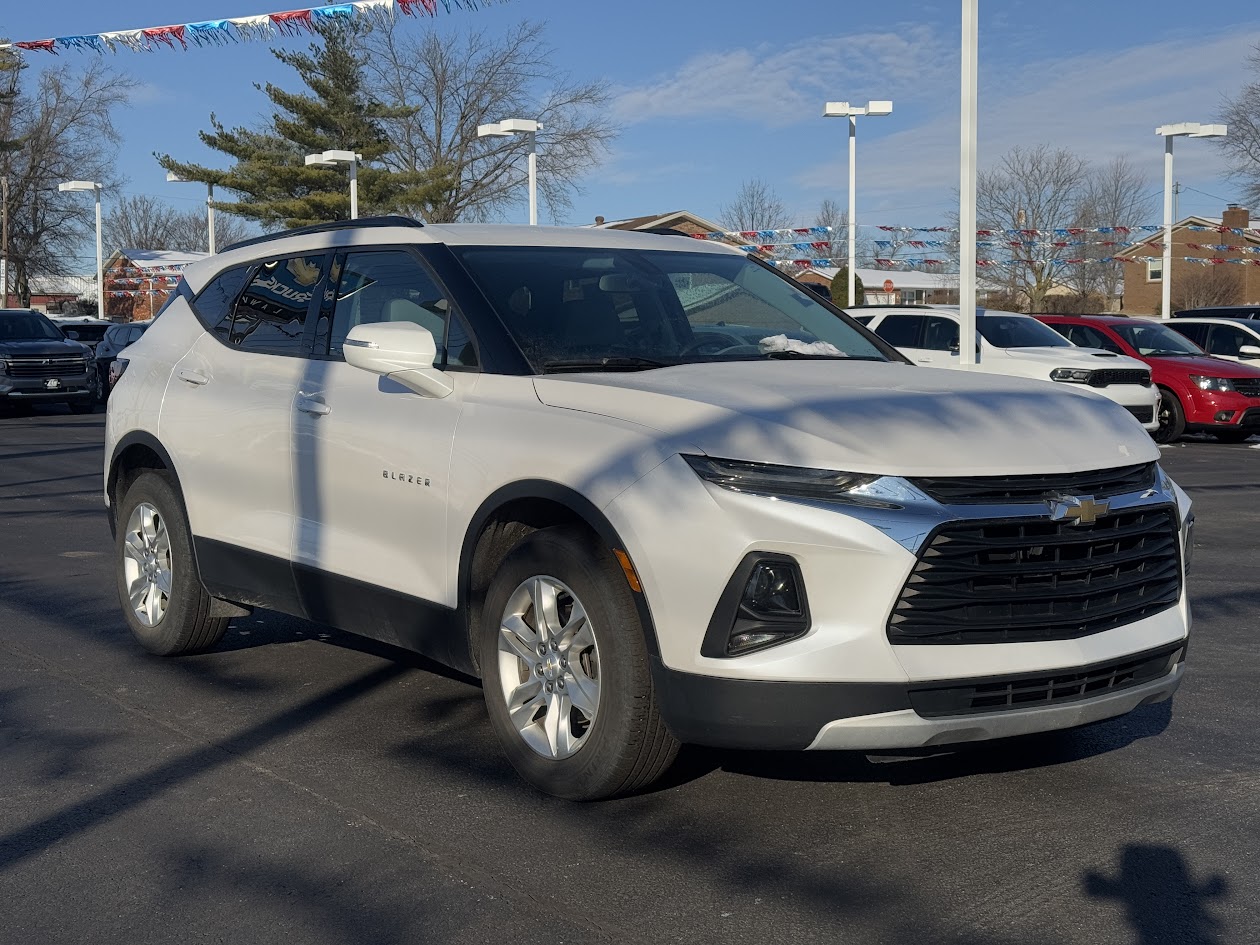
x: 599, y: 221
x: 1235, y: 218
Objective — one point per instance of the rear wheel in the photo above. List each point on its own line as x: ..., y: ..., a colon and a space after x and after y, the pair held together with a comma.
x: 565, y: 671
x: 1233, y: 436
x: 166, y: 608
x: 1172, y: 418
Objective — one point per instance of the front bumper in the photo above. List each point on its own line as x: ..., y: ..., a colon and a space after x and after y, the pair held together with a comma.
x: 1222, y: 410
x: 76, y: 387
x: 749, y: 714
x: 1142, y: 402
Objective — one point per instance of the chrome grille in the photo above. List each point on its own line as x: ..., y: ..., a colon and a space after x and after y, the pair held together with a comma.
x: 46, y: 367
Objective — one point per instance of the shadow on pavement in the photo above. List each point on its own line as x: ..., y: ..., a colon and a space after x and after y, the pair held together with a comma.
x: 1162, y: 901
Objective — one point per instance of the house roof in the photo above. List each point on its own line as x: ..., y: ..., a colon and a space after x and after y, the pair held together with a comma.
x: 74, y: 286
x: 153, y: 258
x: 652, y: 220
x: 1208, y: 237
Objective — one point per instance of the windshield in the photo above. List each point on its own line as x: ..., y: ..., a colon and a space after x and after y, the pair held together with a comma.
x: 1155, y: 341
x: 27, y: 326
x: 569, y: 307
x: 1018, y: 331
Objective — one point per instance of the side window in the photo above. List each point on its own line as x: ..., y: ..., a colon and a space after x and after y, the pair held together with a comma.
x: 388, y: 286
x: 1196, y: 333
x: 940, y: 334
x: 133, y: 334
x: 900, y: 330
x: 1226, y: 340
x: 214, y: 303
x: 271, y: 314
x: 1089, y: 338
x: 460, y: 351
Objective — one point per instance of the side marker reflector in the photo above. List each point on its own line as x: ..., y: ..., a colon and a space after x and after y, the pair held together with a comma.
x: 631, y: 578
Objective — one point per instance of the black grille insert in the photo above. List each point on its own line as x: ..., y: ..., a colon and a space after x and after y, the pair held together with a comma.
x: 1144, y: 414
x: 1054, y: 688
x: 984, y: 490
x: 1109, y: 376
x: 46, y: 367
x: 1016, y: 581
x: 1250, y: 386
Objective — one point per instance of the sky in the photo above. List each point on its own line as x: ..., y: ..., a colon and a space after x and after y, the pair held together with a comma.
x: 707, y: 95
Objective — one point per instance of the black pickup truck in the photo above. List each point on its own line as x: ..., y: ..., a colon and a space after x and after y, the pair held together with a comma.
x: 38, y: 363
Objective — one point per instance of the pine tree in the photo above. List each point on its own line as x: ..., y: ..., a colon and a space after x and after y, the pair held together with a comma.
x: 333, y: 112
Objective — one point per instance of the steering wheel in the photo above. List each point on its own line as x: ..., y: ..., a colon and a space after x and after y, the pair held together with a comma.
x: 717, y: 340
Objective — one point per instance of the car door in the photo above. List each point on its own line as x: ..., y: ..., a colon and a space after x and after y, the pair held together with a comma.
x: 904, y: 332
x: 1226, y: 341
x: 227, y: 422
x: 372, y: 460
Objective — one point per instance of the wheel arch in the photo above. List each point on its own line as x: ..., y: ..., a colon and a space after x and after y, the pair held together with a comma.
x: 508, y: 515
x: 135, y: 451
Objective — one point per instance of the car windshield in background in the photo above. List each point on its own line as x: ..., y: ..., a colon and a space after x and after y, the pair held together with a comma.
x: 1018, y: 331
x: 28, y: 326
x: 1155, y: 341
x: 580, y: 308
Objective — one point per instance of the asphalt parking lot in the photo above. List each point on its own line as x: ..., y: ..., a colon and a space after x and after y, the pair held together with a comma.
x: 300, y: 785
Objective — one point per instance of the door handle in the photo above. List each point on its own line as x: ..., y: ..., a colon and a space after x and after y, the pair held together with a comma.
x: 313, y: 406
x: 195, y: 378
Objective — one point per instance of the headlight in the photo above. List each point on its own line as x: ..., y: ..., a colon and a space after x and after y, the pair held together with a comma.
x: 1071, y: 375
x: 795, y: 482
x: 1212, y: 383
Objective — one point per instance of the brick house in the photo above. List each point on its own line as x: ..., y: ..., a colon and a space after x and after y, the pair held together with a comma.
x: 138, y: 281
x: 1143, y: 280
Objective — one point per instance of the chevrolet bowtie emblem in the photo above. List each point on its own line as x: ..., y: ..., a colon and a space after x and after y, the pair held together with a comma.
x: 1077, y: 510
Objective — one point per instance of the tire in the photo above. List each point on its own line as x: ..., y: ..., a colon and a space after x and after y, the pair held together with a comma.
x: 1172, y: 418
x: 170, y: 615
x: 1233, y: 436
x: 606, y: 737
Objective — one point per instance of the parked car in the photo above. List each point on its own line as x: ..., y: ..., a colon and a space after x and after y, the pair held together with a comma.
x: 1236, y: 339
x: 39, y: 364
x: 1198, y: 393
x: 1019, y: 345
x: 116, y: 338
x: 1220, y: 311
x: 83, y: 329
x: 530, y: 454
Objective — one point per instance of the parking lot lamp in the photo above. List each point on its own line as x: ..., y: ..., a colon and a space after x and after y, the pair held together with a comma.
x: 75, y: 186
x: 332, y: 159
x: 529, y: 128
x: 1186, y: 129
x: 851, y: 112
x: 174, y: 178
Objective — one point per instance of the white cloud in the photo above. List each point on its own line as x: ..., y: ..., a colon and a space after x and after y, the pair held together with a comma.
x: 1097, y: 106
x: 783, y: 86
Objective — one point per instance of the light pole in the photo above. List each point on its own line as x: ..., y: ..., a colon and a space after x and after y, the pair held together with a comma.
x: 82, y: 185
x: 173, y: 178
x: 332, y: 159
x: 530, y: 128
x: 1186, y: 129
x: 844, y: 110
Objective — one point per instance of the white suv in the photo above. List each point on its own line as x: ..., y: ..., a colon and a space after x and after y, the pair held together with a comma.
x: 1019, y: 345
x: 646, y: 488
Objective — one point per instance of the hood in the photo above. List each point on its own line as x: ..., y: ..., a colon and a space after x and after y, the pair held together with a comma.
x: 1203, y: 364
x: 42, y: 348
x: 865, y: 417
x: 1071, y: 357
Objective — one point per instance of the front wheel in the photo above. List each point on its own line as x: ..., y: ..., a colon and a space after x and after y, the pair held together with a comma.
x: 166, y: 608
x: 1172, y: 419
x: 565, y: 670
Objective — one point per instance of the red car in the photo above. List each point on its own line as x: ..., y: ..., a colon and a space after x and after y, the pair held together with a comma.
x: 1199, y: 393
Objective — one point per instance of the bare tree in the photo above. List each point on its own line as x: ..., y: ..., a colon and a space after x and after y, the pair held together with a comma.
x: 1031, y: 189
x: 1115, y: 194
x: 1242, y: 144
x: 64, y: 131
x: 1206, y: 287
x: 755, y: 207
x: 144, y: 222
x: 448, y: 85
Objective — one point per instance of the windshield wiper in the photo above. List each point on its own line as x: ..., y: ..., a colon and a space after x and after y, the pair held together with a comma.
x: 618, y: 363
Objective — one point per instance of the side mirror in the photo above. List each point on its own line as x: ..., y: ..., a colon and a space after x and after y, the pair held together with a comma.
x: 954, y: 346
x: 1250, y: 351
x: 401, y: 351
x: 74, y: 336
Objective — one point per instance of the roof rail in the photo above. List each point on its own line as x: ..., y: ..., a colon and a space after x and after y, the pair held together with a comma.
x: 393, y: 220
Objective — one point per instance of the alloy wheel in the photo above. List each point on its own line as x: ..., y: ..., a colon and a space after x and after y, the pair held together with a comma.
x: 147, y: 564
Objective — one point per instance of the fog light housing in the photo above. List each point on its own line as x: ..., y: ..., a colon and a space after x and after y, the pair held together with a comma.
x: 763, y: 605
x: 1224, y: 416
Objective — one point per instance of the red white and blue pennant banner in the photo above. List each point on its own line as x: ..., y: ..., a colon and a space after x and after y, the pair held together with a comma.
x: 262, y: 27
